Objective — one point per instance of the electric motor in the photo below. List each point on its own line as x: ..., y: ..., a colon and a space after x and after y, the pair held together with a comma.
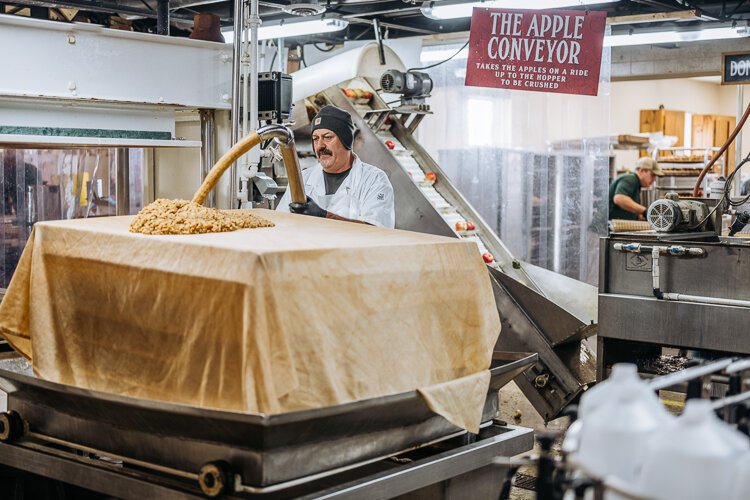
x: 410, y: 84
x: 672, y: 214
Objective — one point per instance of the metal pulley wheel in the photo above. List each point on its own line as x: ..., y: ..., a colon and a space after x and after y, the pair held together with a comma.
x: 11, y: 426
x: 215, y: 478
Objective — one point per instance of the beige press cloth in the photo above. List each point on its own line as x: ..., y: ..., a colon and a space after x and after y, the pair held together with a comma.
x: 307, y: 314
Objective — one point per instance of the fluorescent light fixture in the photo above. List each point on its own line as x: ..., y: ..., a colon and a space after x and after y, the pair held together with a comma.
x: 287, y: 29
x: 459, y: 10
x: 674, y: 36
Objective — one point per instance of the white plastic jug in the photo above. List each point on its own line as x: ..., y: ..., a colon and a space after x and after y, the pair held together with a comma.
x: 694, y: 459
x: 617, y: 422
x: 622, y: 375
x: 740, y: 489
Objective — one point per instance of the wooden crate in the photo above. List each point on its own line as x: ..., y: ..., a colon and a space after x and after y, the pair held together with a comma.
x: 713, y: 131
x: 664, y: 121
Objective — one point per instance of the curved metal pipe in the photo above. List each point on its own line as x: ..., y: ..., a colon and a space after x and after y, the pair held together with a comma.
x: 285, y: 138
x: 278, y: 133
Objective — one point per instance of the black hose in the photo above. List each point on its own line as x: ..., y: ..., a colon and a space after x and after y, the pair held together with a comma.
x: 441, y: 62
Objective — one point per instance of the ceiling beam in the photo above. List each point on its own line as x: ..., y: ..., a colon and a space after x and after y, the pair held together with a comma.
x: 392, y: 26
x: 105, y: 7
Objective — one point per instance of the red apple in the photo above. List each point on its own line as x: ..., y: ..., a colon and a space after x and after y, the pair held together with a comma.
x: 390, y: 144
x: 470, y: 226
x: 430, y: 176
x: 488, y: 258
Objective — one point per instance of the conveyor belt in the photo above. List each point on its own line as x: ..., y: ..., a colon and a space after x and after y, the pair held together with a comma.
x: 551, y: 313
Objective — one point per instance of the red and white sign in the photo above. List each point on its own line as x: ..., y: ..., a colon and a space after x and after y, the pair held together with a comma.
x: 544, y: 51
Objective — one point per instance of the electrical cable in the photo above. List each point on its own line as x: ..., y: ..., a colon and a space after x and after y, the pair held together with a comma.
x: 273, y: 59
x: 333, y: 46
x: 730, y: 178
x: 725, y: 195
x: 279, y: 48
x: 443, y: 61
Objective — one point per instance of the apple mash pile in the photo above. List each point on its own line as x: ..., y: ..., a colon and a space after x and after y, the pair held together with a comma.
x: 186, y: 217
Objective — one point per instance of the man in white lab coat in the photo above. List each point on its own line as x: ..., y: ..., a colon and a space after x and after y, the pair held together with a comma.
x: 341, y: 186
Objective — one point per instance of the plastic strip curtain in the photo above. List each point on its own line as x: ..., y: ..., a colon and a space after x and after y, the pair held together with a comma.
x: 535, y: 165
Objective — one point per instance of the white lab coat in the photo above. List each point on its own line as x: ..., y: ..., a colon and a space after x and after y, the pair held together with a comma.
x: 365, y: 195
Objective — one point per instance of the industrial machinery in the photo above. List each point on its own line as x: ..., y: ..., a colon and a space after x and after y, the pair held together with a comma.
x: 671, y: 214
x: 682, y: 285
x: 131, y: 448
x: 139, y: 449
x: 541, y: 311
x: 624, y: 443
x: 274, y: 96
x: 413, y: 86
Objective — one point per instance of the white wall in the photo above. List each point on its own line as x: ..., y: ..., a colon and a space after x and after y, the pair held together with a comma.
x: 177, y: 171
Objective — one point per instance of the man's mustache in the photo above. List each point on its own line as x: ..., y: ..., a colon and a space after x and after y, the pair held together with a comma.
x: 325, y: 151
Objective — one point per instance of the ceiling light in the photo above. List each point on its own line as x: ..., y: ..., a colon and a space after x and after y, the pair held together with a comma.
x: 673, y: 36
x: 458, y: 10
x: 304, y: 8
x: 288, y: 29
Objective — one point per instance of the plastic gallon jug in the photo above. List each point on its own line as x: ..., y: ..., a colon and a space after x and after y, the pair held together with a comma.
x: 694, y: 459
x: 740, y: 488
x: 618, y: 421
x: 622, y: 376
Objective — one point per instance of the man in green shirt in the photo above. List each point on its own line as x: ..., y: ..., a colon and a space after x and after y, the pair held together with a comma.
x: 625, y: 191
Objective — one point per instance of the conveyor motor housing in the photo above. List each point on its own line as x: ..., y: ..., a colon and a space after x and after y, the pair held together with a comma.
x: 671, y: 214
x: 413, y: 85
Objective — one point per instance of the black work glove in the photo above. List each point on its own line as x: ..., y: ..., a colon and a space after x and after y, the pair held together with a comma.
x: 309, y: 208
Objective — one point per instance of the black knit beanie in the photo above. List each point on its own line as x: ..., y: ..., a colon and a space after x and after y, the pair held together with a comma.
x: 336, y: 120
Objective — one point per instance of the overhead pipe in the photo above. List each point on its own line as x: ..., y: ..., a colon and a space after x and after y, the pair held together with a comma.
x: 236, y: 59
